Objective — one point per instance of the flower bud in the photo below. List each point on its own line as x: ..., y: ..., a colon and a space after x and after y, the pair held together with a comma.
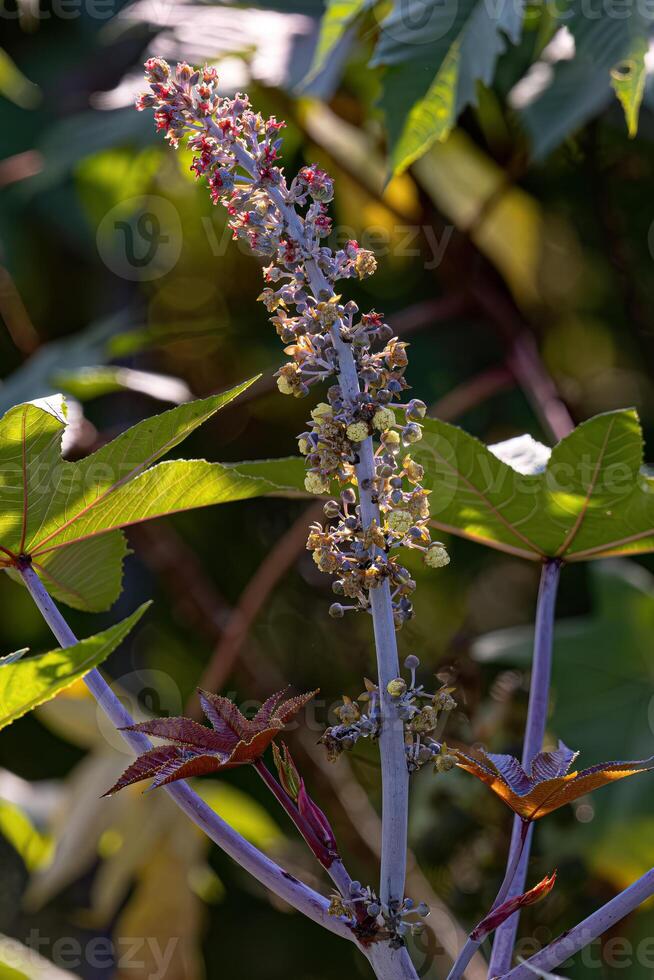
x: 436, y: 556
x: 416, y: 409
x: 444, y: 762
x: 391, y: 440
x: 325, y: 847
x: 365, y: 263
x: 411, y: 433
x: 397, y: 687
x: 331, y: 509
x: 289, y: 777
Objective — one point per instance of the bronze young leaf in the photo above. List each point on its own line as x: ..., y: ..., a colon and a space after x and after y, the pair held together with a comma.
x: 233, y: 740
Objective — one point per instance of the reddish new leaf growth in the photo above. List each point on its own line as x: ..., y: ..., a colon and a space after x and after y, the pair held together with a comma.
x: 233, y: 740
x: 497, y: 916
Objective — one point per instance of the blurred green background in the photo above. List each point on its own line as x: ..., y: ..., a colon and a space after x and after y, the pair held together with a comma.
x: 525, y: 288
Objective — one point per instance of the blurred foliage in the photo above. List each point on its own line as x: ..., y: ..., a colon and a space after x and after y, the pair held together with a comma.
x: 530, y: 220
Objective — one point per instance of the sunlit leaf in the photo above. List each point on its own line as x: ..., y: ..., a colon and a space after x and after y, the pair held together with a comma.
x: 33, y: 680
x: 438, y: 53
x: 591, y: 500
x: 286, y: 474
x: 15, y: 825
x: 51, y: 505
x: 578, y: 83
x: 336, y: 20
x: 87, y: 574
x: 587, y: 498
x: 628, y: 81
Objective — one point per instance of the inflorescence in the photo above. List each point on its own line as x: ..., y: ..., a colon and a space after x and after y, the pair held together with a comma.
x: 423, y: 714
x: 237, y: 152
x: 365, y: 909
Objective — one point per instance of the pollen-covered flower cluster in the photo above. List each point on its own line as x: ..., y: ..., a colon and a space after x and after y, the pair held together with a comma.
x: 237, y: 151
x: 365, y: 909
x: 359, y: 556
x: 424, y: 715
x: 354, y: 722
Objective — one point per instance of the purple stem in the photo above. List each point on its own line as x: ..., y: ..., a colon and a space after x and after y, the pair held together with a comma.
x: 332, y: 865
x: 387, y: 963
x: 541, y: 673
x: 304, y: 899
x: 473, y: 944
x: 586, y: 932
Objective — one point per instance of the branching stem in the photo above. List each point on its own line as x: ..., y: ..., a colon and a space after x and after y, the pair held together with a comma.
x: 270, y: 875
x: 388, y: 964
x: 539, y: 694
x: 473, y: 944
x: 587, y: 931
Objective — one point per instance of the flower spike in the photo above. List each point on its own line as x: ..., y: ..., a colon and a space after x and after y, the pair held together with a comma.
x: 233, y: 740
x: 548, y: 785
x: 237, y: 152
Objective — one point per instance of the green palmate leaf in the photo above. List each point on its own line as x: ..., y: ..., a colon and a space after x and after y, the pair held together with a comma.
x: 56, y: 512
x: 284, y: 475
x: 33, y: 680
x: 586, y: 498
x: 336, y: 20
x: 438, y: 52
x: 607, y: 37
x: 590, y: 501
x: 628, y: 81
x: 86, y: 575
